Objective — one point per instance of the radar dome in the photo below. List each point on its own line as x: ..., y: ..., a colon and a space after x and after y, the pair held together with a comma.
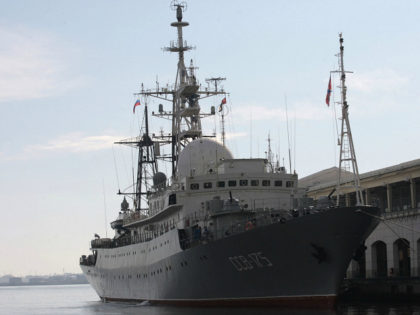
x: 201, y: 156
x: 159, y: 179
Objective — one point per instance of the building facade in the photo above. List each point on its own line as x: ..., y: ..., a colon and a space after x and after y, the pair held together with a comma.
x: 393, y: 249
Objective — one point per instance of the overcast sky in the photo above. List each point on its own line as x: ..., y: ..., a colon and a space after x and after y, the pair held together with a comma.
x: 68, y: 71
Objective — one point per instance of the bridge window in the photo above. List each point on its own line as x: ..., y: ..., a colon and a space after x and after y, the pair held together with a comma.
x: 266, y: 182
x: 278, y: 183
x: 289, y: 183
x: 243, y: 182
x: 255, y: 182
x: 195, y: 186
x: 207, y: 185
x: 220, y: 184
x: 232, y: 183
x: 172, y: 199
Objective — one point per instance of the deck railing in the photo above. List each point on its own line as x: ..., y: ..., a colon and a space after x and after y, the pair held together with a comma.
x: 195, y: 235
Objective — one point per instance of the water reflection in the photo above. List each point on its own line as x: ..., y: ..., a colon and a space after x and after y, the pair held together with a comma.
x: 378, y: 309
x: 347, y: 309
x: 52, y: 300
x: 117, y: 308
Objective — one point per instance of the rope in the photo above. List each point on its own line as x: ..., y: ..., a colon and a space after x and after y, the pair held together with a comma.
x: 231, y: 125
x: 115, y: 166
x: 397, y: 224
x: 335, y: 124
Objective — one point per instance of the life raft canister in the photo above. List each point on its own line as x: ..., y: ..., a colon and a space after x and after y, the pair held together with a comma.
x: 249, y: 226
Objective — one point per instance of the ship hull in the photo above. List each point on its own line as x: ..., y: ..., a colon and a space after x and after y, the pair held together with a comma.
x: 287, y: 301
x: 297, y: 263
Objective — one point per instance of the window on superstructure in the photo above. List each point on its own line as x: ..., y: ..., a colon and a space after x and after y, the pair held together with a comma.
x: 278, y: 183
x: 195, y: 186
x: 208, y: 185
x: 220, y: 184
x: 172, y: 199
x: 266, y: 182
x: 232, y: 183
x: 243, y: 182
x: 255, y: 182
x: 289, y: 183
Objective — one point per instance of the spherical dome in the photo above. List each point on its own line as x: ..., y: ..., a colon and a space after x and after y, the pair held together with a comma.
x: 201, y: 156
x: 159, y: 178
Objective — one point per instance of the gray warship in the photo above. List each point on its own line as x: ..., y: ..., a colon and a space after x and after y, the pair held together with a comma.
x: 218, y: 230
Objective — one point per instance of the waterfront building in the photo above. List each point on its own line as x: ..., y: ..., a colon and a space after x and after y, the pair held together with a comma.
x: 15, y: 281
x: 393, y: 249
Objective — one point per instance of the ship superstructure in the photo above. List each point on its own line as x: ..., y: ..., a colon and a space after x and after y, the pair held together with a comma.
x: 218, y: 230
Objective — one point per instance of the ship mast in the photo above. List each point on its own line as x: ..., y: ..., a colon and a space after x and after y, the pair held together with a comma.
x: 184, y: 95
x: 347, y: 153
x: 185, y: 88
x: 185, y: 117
x: 215, y: 82
x: 269, y: 155
x: 146, y: 165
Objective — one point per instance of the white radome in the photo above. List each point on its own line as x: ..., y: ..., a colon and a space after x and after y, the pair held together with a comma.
x: 201, y: 156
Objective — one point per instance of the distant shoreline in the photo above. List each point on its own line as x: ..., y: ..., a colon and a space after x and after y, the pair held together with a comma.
x: 41, y: 284
x: 31, y: 280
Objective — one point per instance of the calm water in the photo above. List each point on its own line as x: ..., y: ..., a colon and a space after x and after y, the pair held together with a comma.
x: 81, y: 299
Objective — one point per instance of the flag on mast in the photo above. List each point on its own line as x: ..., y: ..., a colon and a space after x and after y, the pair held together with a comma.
x: 137, y: 103
x: 222, y: 103
x: 327, y: 99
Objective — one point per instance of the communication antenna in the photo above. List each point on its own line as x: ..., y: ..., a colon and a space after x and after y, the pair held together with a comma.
x: 250, y: 130
x: 178, y: 4
x: 294, y: 145
x: 106, y: 220
x: 270, y: 157
x: 347, y: 153
x: 288, y: 136
x: 215, y: 82
x: 222, y: 122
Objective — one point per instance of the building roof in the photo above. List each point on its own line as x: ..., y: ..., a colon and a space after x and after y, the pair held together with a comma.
x: 328, y: 177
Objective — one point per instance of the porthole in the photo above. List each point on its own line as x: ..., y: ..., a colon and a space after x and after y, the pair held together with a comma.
x: 195, y: 186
